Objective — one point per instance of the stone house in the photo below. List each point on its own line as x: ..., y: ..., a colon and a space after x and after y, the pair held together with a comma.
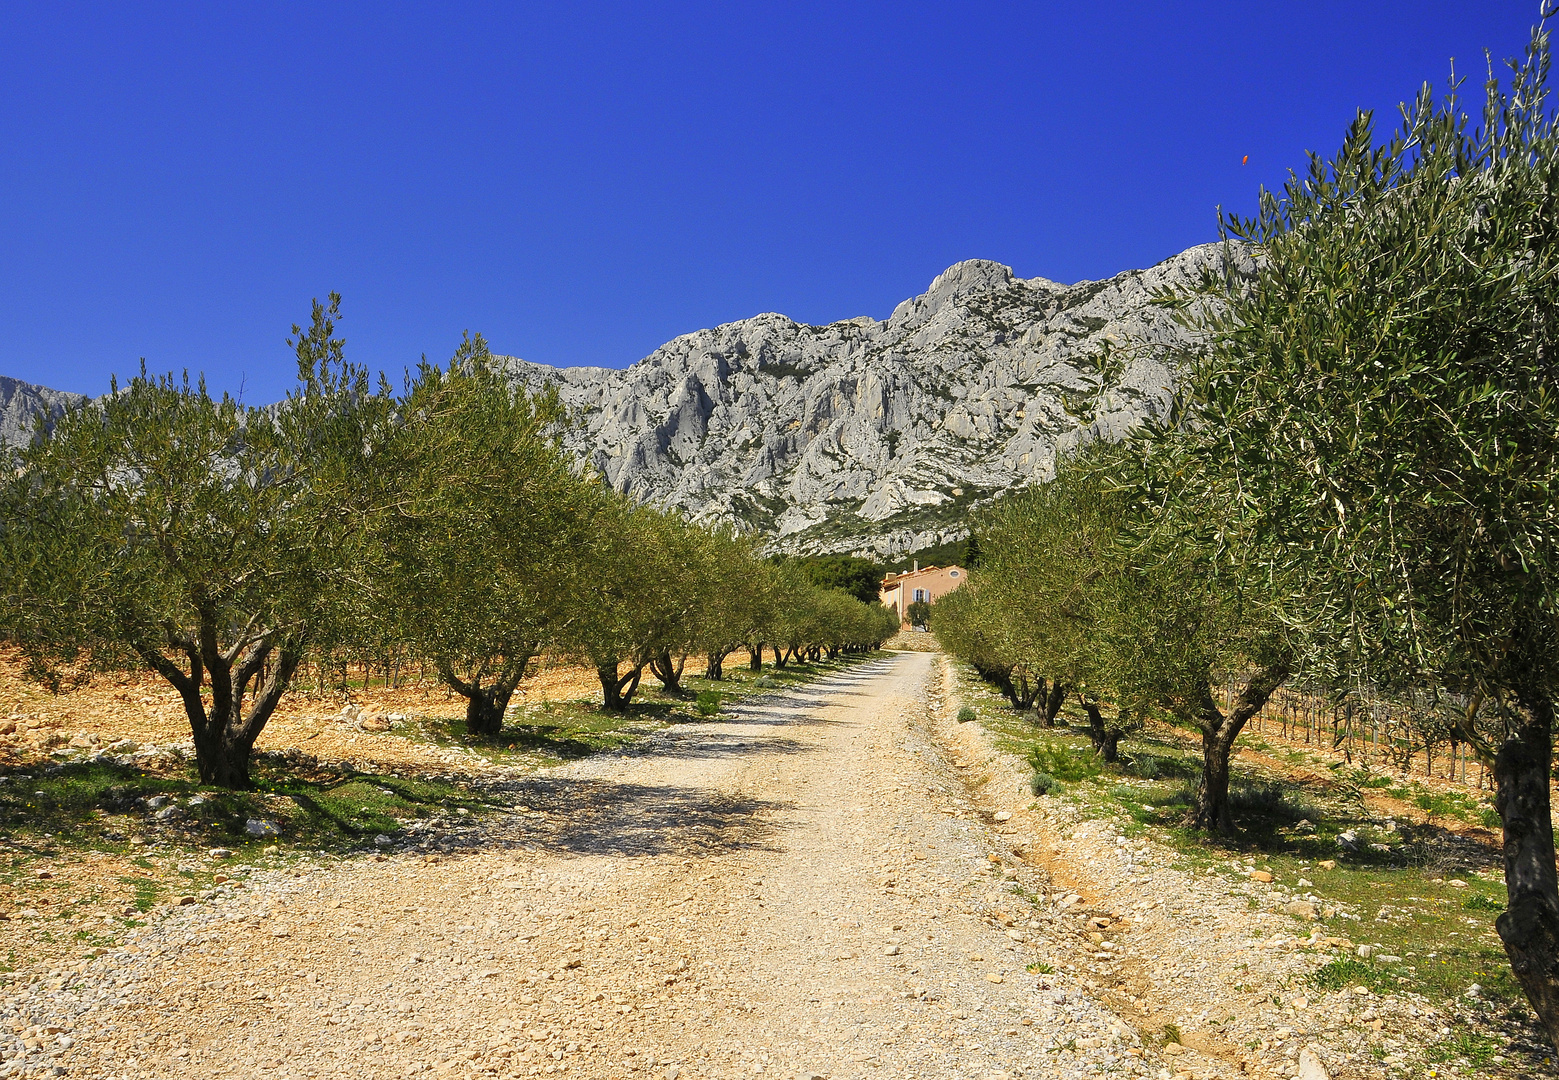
x: 927, y: 583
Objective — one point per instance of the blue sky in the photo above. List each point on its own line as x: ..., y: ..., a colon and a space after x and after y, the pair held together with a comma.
x: 581, y: 182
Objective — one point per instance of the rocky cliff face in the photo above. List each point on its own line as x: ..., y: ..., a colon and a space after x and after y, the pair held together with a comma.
x: 20, y: 405
x: 860, y: 436
x: 879, y: 437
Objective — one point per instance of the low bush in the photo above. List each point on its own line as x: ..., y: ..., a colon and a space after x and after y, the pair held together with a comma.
x: 708, y: 703
x: 1153, y: 767
x: 1042, y: 783
x: 1263, y: 799
x: 1062, y: 763
x: 1344, y: 972
x: 967, y: 715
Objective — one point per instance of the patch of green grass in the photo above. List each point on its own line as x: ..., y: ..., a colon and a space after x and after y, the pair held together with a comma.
x: 550, y: 732
x: 1435, y: 803
x: 147, y: 891
x: 331, y: 810
x: 98, y: 806
x: 1480, y: 1050
x: 708, y: 702
x: 1345, y: 972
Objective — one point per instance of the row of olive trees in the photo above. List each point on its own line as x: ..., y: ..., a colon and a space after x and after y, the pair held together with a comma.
x: 219, y: 545
x: 1359, y: 484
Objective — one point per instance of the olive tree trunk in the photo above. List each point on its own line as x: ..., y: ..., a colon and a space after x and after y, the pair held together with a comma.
x: 486, y: 705
x: 1104, y: 736
x: 224, y: 730
x: 668, y: 670
x: 1052, y: 703
x: 1211, y: 810
x: 617, y: 690
x: 1529, y: 927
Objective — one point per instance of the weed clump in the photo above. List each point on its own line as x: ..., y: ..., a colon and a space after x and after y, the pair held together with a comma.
x: 1344, y: 972
x: 1062, y: 764
x: 707, y: 703
x: 967, y: 715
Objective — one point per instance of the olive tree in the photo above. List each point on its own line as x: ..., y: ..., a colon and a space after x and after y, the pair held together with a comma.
x: 209, y: 541
x: 1378, y: 421
x: 972, y: 624
x: 736, y: 597
x: 481, y: 519
x: 635, y: 598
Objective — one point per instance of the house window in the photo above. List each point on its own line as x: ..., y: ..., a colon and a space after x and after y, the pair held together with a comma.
x: 920, y: 594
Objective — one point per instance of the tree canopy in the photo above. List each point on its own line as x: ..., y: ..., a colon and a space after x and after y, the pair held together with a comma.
x: 211, y: 541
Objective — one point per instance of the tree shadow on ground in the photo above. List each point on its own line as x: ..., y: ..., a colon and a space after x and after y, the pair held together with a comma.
x: 597, y: 817
x: 703, y: 743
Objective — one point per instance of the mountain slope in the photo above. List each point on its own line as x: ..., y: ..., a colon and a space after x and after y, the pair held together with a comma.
x: 876, y: 436
x: 866, y: 436
x: 20, y: 405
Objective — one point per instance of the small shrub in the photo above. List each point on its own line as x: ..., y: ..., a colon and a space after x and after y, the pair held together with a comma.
x: 1482, y: 902
x: 967, y: 715
x: 1143, y: 766
x: 1345, y: 972
x: 765, y: 683
x: 1062, y: 763
x: 1271, y: 801
x: 708, y: 703
x: 1042, y: 783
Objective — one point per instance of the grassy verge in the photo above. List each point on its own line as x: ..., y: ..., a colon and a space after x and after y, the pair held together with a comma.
x: 549, y: 733
x: 1411, y: 872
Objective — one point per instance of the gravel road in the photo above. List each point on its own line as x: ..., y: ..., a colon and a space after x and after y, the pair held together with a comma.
x: 799, y: 889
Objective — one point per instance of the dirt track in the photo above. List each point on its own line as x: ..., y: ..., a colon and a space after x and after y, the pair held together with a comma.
x: 787, y: 892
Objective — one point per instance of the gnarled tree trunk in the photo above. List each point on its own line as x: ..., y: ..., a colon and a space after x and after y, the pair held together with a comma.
x: 224, y: 732
x: 1052, y: 703
x: 755, y: 656
x: 486, y: 705
x: 1001, y: 679
x: 1529, y: 927
x: 617, y: 690
x: 1211, y: 809
x: 1105, y: 737
x: 668, y: 670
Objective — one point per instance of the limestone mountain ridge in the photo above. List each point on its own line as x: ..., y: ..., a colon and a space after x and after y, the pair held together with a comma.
x: 875, y: 437
x: 879, y: 437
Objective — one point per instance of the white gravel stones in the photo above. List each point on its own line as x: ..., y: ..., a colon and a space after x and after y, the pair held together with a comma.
x: 777, y: 891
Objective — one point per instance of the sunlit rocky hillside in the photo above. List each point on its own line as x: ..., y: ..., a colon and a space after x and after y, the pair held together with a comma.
x: 872, y: 436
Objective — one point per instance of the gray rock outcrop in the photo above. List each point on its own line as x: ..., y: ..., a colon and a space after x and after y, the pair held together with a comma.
x: 22, y: 403
x: 879, y: 436
x: 876, y: 437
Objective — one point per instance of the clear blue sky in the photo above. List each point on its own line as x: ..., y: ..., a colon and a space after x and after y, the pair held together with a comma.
x: 581, y: 182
